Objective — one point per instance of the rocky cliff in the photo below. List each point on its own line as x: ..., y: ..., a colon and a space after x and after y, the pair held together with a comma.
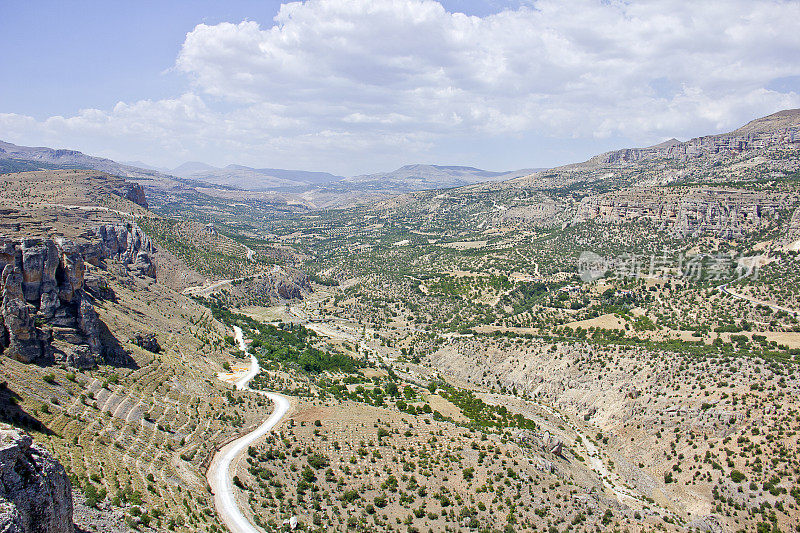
x: 35, y: 492
x: 725, y: 213
x: 778, y: 130
x: 45, y: 298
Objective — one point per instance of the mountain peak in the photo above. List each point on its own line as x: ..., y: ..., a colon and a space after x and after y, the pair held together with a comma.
x: 191, y: 167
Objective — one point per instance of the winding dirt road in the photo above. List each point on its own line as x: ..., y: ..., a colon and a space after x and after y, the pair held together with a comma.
x: 219, y: 473
x: 724, y: 288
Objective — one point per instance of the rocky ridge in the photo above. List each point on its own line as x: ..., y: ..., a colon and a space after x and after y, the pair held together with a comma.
x: 45, y: 296
x: 65, y: 158
x: 725, y: 213
x: 779, y: 129
x: 35, y: 492
x: 765, y: 147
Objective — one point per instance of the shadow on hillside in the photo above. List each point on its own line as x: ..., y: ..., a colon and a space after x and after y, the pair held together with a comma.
x: 114, y: 354
x: 11, y: 412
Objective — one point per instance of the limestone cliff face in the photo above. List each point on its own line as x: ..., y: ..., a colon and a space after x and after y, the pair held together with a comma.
x: 779, y: 130
x: 127, y: 244
x: 44, y: 296
x: 725, y: 213
x: 35, y: 492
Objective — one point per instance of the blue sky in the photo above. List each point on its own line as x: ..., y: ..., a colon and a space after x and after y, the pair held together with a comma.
x: 355, y: 86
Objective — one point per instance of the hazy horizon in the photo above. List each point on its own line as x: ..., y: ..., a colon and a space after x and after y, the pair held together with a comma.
x: 356, y: 87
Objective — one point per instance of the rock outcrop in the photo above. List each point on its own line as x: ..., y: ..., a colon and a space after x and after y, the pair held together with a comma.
x: 44, y: 296
x: 136, y: 195
x: 685, y: 212
x: 35, y: 492
x: 127, y: 244
x: 20, y: 340
x: 148, y: 341
x: 290, y: 285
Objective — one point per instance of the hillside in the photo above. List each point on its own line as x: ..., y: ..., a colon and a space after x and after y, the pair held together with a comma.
x: 628, y: 327
x: 714, y: 157
x: 42, y: 157
x: 103, y: 360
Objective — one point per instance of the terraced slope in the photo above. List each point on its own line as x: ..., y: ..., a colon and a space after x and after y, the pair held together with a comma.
x: 136, y: 432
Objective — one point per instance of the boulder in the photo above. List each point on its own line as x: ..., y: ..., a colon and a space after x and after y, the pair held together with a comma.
x: 81, y: 357
x: 148, y: 341
x: 144, y: 265
x: 35, y: 492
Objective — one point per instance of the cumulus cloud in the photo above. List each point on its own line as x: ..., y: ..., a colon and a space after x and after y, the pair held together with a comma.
x: 393, y: 77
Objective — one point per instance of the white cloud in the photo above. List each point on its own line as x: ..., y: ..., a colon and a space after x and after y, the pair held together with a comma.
x: 391, y: 78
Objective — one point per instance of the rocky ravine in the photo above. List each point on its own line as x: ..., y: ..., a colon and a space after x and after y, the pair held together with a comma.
x: 35, y: 492
x: 46, y: 298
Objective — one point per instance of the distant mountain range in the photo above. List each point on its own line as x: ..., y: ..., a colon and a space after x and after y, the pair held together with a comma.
x: 12, y: 155
x: 405, y: 179
x: 777, y: 128
x: 252, y: 179
x: 421, y: 177
x: 145, y: 166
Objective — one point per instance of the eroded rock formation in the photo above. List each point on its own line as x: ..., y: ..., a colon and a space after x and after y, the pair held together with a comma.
x: 127, y: 244
x: 44, y: 296
x: 35, y: 492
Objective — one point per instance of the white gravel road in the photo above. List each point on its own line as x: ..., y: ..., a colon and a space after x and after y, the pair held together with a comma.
x: 219, y: 473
